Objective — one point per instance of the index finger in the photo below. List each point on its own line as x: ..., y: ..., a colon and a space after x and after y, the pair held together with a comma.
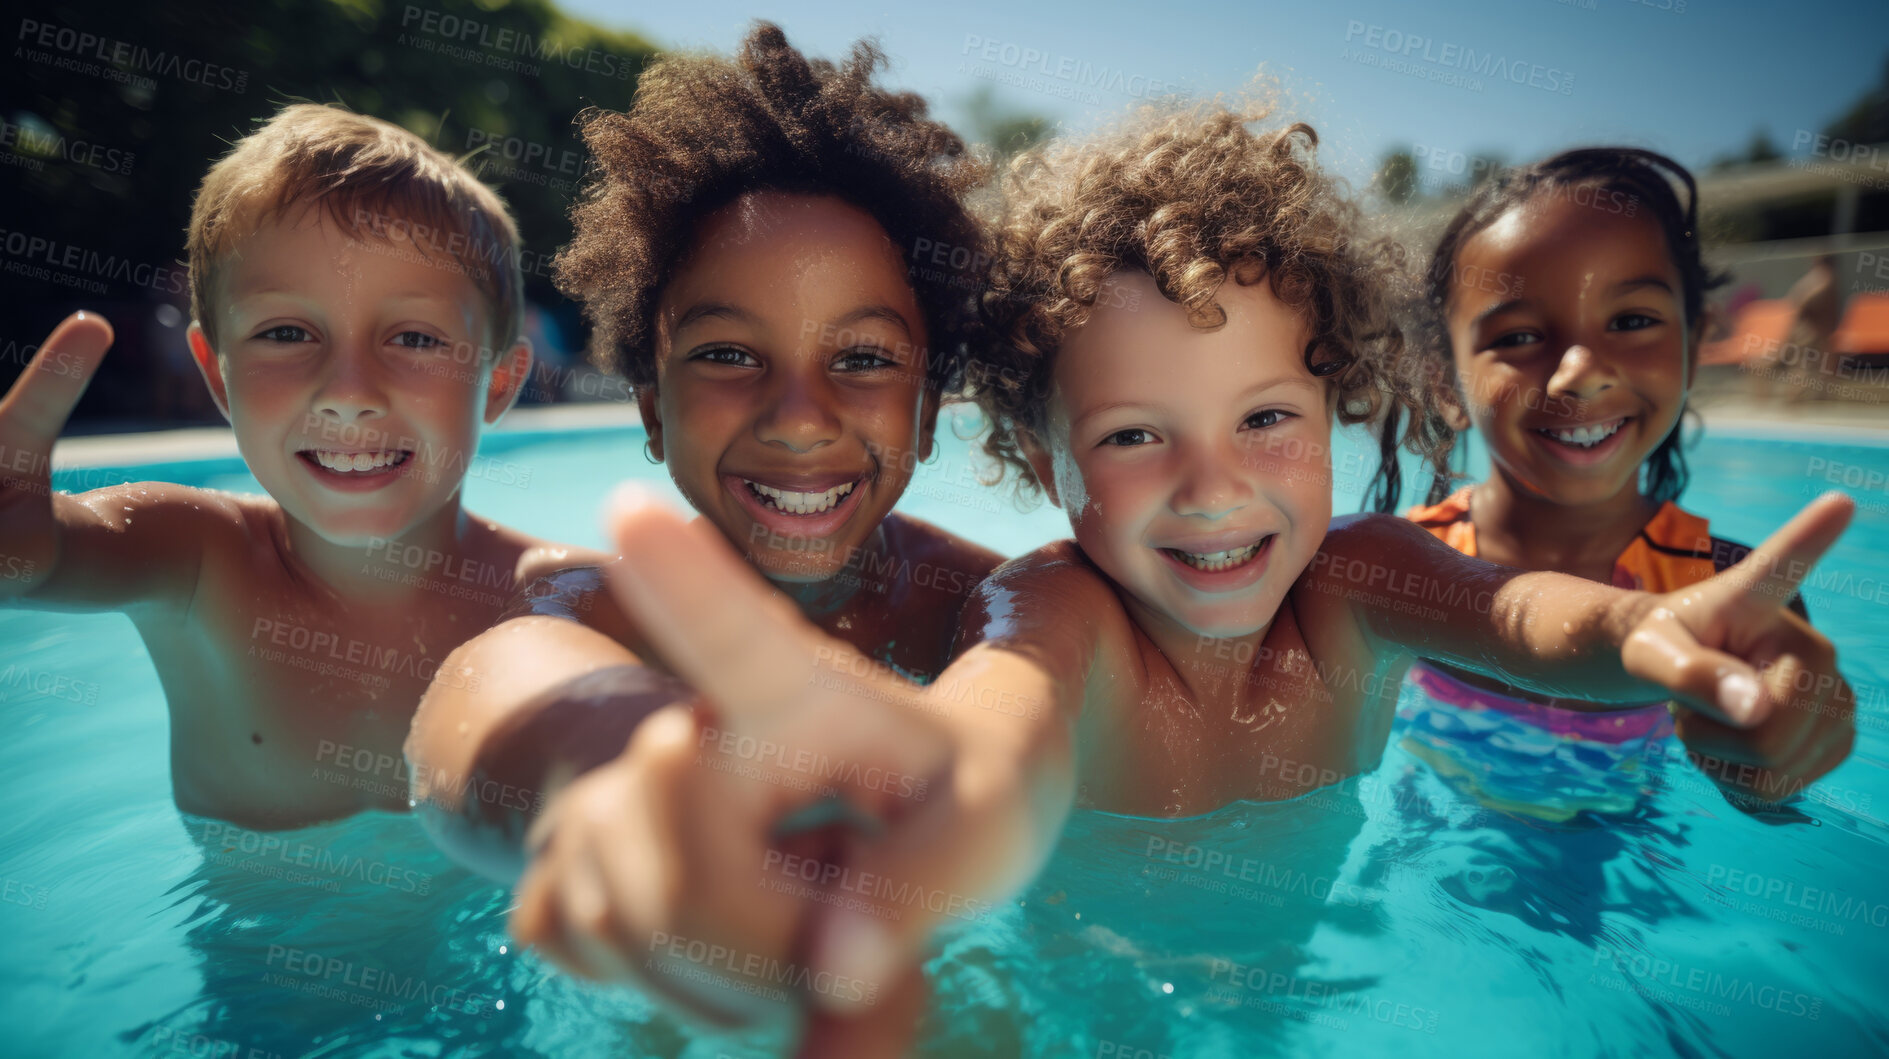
x: 49, y: 389
x: 712, y: 618
x: 1775, y: 568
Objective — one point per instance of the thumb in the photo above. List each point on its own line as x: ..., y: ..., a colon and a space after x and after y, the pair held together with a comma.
x: 40, y: 402
x: 1664, y: 651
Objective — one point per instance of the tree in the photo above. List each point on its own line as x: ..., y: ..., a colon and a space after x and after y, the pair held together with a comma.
x: 1396, y: 176
x: 161, y: 90
x: 1761, y: 148
x: 1867, y: 119
x: 1004, y: 131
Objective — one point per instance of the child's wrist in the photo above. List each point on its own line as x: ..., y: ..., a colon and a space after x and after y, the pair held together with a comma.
x: 1625, y: 613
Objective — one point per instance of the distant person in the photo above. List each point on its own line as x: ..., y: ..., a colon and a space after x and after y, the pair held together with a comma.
x: 1817, y: 300
x: 1719, y: 325
x: 357, y: 362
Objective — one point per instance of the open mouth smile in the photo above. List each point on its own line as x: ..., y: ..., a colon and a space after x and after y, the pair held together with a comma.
x: 1586, y: 445
x: 1586, y: 436
x: 1222, y: 569
x: 356, y: 462
x: 805, y: 506
x: 792, y: 502
x: 358, y: 472
x: 1214, y: 562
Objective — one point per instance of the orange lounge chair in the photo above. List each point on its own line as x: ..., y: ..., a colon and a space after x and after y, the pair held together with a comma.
x: 1758, y: 329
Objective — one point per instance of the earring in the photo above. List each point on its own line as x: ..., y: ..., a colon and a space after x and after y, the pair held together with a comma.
x: 649, y: 451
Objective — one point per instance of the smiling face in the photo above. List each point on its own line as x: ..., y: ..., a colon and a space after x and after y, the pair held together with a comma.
x: 1568, y: 326
x: 790, y: 402
x: 1194, y: 465
x: 356, y: 375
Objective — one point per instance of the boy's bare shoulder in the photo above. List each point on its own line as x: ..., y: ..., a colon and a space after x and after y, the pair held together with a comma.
x: 178, y: 504
x: 920, y: 541
x: 1054, y: 580
x: 173, y: 520
x: 1055, y: 607
x: 1057, y: 559
x: 146, y: 547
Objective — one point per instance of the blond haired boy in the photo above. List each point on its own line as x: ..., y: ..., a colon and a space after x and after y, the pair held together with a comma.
x: 357, y: 302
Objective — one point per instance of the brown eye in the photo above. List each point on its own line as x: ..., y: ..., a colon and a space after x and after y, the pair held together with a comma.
x: 1130, y: 437
x: 729, y: 355
x: 864, y: 358
x: 1270, y: 417
x: 416, y: 340
x: 284, y: 333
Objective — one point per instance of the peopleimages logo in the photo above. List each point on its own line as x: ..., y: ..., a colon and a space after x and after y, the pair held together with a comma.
x: 99, y: 56
x: 462, y: 31
x: 1449, y: 55
x: 221, y: 840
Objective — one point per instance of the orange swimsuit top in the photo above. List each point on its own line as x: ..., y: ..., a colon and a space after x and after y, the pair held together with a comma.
x: 1674, y: 550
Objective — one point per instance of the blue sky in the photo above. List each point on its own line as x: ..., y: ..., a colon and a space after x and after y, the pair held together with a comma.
x: 1693, y: 78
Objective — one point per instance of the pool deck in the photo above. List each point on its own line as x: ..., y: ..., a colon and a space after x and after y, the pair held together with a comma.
x: 1828, y: 421
x: 213, y: 443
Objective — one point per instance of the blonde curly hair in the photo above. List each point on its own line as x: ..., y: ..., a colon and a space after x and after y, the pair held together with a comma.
x: 1192, y: 197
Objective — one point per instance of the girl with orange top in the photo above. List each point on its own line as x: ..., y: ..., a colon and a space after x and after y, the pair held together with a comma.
x: 1570, y: 294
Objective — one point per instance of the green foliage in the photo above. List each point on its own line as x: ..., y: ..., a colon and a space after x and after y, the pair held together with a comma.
x: 1866, y: 120
x: 171, y: 86
x: 1005, y: 132
x: 1396, y: 176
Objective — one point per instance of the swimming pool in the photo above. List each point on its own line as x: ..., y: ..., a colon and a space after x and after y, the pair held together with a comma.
x: 1393, y: 913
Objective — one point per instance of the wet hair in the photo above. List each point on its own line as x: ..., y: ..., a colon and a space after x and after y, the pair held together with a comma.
x: 706, y: 129
x: 371, y: 178
x: 1647, y: 179
x: 1194, y: 198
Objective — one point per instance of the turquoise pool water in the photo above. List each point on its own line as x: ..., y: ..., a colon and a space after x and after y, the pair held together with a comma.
x: 1394, y: 914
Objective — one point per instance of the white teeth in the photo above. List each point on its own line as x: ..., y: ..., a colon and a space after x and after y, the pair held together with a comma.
x: 800, y: 503
x: 1589, y: 436
x: 1211, y: 561
x: 357, y: 462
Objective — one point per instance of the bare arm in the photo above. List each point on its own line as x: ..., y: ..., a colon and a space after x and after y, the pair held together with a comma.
x: 108, y: 549
x: 1760, y: 687
x: 955, y: 789
x: 1548, y: 633
x: 531, y: 703
x: 1028, y: 643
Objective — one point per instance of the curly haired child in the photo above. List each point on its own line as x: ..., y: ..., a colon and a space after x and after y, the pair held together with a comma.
x: 1182, y: 309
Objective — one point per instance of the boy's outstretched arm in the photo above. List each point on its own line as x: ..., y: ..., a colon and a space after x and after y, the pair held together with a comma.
x: 516, y: 713
x: 1753, y: 675
x: 104, y: 549
x: 757, y: 830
